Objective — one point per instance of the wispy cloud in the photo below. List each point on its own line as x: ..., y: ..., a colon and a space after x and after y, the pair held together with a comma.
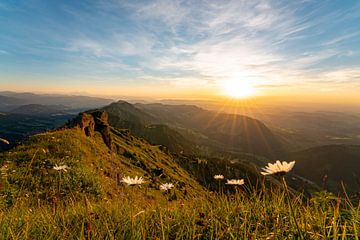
x: 342, y: 38
x: 201, y: 43
x: 237, y: 39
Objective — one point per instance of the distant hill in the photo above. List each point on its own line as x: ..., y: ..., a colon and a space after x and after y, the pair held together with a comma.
x: 329, y: 165
x: 124, y: 114
x: 301, y: 130
x: 25, y: 114
x: 8, y: 103
x: 17, y: 127
x: 220, y: 130
x: 141, y: 124
x: 82, y: 103
x: 38, y: 109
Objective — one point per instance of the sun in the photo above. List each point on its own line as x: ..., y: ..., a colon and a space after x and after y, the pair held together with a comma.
x: 239, y: 88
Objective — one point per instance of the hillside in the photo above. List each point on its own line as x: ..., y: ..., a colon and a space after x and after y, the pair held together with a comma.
x: 89, y: 140
x: 142, y: 124
x: 329, y: 165
x: 190, y: 129
x: 187, y: 140
x: 38, y: 200
x: 200, y: 153
x: 98, y: 157
x: 193, y: 130
x: 225, y: 131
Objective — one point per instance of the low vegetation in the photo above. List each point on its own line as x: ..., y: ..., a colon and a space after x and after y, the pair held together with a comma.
x: 259, y: 215
x: 72, y: 184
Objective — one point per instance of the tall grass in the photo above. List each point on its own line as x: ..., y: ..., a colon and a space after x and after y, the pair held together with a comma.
x: 38, y: 202
x: 258, y: 215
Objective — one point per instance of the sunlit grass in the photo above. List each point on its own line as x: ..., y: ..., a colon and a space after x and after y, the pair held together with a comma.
x: 259, y: 215
x: 56, y: 191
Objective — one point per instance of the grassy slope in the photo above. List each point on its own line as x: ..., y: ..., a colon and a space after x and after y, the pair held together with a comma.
x: 95, y: 171
x: 88, y: 203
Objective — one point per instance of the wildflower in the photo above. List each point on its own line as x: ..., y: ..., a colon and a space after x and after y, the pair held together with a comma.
x: 278, y: 168
x: 4, y: 141
x: 166, y: 186
x: 62, y: 168
x: 133, y: 181
x: 218, y: 177
x: 235, y: 182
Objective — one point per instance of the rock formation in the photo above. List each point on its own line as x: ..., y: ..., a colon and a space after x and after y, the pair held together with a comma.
x: 89, y: 122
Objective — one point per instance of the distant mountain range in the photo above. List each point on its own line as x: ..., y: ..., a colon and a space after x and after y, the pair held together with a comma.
x: 235, y: 144
x: 12, y: 100
x: 38, y: 109
x: 18, y: 127
x: 189, y: 128
x: 25, y: 114
x: 8, y: 103
x: 300, y: 130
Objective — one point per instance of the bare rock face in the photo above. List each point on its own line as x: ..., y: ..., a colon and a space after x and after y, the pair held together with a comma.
x: 89, y: 122
x: 85, y: 122
x: 102, y: 126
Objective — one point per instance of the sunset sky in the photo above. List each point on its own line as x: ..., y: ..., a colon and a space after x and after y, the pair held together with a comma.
x: 184, y: 49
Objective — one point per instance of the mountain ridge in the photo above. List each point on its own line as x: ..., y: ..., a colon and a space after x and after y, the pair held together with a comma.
x: 98, y: 157
x: 230, y: 131
x: 330, y: 165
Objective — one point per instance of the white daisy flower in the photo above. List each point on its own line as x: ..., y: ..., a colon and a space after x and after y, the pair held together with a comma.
x: 62, y: 168
x: 218, y: 177
x: 133, y: 181
x: 166, y: 186
x: 278, y: 168
x: 235, y: 182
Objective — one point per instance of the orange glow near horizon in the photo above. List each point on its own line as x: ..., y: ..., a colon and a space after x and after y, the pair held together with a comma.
x: 223, y: 92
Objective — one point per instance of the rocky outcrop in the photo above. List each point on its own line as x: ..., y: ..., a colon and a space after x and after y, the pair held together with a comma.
x: 86, y: 123
x: 89, y: 122
x: 102, y: 125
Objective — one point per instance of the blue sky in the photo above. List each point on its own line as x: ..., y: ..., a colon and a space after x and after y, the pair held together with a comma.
x: 178, y: 47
